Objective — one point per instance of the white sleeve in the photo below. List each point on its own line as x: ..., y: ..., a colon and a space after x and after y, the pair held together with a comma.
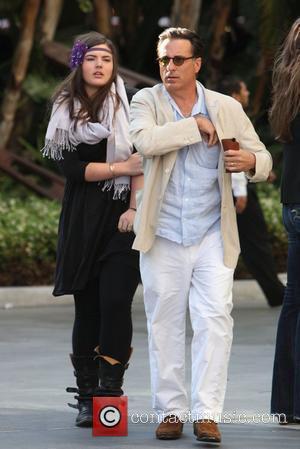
x: 239, y: 184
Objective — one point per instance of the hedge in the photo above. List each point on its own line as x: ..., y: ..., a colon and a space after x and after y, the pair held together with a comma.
x: 28, y: 234
x: 269, y: 197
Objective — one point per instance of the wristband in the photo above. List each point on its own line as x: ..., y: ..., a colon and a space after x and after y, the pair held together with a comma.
x: 132, y: 208
x: 112, y: 169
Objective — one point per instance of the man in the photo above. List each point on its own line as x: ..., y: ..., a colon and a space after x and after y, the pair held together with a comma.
x: 186, y: 230
x: 253, y: 233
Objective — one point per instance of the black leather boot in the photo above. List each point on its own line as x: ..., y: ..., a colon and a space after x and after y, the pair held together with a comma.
x: 86, y: 373
x: 111, y: 376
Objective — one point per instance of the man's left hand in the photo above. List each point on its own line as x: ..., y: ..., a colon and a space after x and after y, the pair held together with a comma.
x: 237, y: 161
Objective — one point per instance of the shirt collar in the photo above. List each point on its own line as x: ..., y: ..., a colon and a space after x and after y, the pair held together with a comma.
x: 199, y: 106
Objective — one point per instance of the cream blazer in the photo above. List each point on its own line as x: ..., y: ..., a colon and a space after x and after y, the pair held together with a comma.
x: 158, y: 138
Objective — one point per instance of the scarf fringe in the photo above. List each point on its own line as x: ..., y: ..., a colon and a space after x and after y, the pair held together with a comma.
x: 120, y: 190
x: 54, y: 148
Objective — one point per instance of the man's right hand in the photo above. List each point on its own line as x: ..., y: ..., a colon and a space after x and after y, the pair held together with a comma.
x: 134, y: 165
x: 207, y: 129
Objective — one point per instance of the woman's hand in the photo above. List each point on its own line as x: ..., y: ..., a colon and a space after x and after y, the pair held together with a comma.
x: 126, y: 221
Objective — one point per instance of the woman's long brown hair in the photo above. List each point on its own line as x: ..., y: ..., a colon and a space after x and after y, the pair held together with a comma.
x: 73, y: 86
x: 286, y: 85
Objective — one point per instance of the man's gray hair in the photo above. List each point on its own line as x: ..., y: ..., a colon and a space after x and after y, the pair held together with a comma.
x: 183, y: 33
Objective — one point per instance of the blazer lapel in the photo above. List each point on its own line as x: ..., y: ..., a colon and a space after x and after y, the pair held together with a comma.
x: 166, y: 114
x: 165, y: 107
x: 213, y: 106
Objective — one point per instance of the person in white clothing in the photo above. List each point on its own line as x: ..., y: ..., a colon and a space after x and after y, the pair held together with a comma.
x: 186, y: 230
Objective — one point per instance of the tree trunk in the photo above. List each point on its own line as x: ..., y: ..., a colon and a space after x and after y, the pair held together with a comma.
x: 52, y: 12
x: 273, y: 16
x: 19, y: 69
x: 263, y: 73
x: 103, y: 16
x: 222, y: 10
x: 186, y: 13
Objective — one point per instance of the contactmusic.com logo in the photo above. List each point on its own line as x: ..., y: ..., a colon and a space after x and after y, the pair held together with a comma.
x: 110, y: 416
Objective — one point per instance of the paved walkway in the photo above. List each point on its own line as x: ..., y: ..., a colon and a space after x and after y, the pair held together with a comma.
x: 34, y: 347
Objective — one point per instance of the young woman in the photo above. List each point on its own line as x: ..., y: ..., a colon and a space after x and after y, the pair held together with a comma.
x: 88, y: 135
x: 285, y: 121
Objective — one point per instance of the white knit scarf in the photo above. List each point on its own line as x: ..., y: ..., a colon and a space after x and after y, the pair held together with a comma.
x: 63, y: 135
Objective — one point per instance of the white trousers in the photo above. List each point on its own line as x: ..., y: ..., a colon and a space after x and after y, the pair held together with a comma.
x: 175, y: 277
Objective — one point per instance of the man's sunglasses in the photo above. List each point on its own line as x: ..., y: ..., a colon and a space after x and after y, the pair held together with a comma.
x: 177, y: 60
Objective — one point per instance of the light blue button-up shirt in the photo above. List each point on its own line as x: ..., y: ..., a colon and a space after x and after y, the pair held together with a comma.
x: 191, y: 205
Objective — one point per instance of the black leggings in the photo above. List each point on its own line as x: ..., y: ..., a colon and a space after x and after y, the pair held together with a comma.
x: 103, y: 311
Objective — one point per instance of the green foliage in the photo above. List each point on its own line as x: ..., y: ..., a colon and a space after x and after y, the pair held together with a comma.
x: 275, y: 18
x: 38, y: 87
x: 9, y: 188
x: 28, y: 228
x: 86, y: 6
x: 272, y: 13
x: 28, y: 236
x: 269, y: 197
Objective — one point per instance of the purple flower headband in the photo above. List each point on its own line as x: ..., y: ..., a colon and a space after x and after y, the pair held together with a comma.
x: 77, y: 54
x: 79, y: 50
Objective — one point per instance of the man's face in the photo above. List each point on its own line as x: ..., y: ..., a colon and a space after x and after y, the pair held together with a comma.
x: 243, y: 95
x: 178, y: 78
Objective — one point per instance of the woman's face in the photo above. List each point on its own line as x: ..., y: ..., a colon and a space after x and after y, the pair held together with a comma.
x: 97, y: 67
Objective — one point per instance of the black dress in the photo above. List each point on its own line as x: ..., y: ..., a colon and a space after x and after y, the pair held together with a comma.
x: 88, y: 233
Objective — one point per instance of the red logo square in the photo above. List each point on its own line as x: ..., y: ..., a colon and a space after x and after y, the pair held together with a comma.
x: 110, y: 416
